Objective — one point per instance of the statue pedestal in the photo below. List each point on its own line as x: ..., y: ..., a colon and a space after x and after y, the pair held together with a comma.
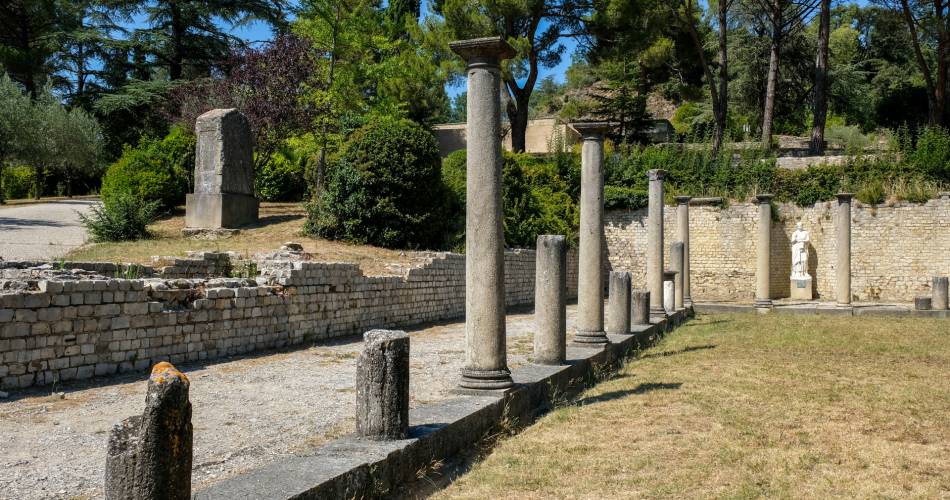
x: 801, y: 288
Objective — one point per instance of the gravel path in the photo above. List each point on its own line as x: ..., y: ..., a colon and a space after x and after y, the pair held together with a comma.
x: 246, y: 411
x: 40, y: 231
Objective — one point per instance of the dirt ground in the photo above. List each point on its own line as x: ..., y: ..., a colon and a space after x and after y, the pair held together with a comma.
x: 246, y: 411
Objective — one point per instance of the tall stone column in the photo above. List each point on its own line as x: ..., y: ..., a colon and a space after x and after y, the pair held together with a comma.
x: 677, y: 258
x: 843, y: 242
x: 763, y: 298
x: 485, y: 361
x: 655, y: 242
x: 682, y: 234
x: 590, y: 272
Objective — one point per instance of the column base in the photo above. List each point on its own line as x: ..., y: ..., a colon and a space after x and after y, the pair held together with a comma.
x: 485, y: 379
x: 763, y: 305
x: 687, y: 302
x: 588, y: 338
x: 843, y: 304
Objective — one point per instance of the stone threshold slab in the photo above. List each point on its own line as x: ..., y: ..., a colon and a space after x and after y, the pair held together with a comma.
x: 355, y: 468
x: 825, y: 309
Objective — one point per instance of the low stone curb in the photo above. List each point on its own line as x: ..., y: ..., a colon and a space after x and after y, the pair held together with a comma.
x: 356, y: 468
x: 823, y: 310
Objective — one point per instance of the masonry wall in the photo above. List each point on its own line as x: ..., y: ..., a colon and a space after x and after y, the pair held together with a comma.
x: 895, y: 250
x: 78, y: 329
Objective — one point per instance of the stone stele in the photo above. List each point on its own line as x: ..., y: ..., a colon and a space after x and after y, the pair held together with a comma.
x: 224, y: 173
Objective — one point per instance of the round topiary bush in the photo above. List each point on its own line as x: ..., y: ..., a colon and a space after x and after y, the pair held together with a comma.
x: 385, y: 189
x: 154, y: 170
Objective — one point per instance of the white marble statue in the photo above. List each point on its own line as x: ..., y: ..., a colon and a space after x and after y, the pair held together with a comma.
x: 800, y: 240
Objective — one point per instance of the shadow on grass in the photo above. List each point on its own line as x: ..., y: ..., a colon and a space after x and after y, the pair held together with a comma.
x: 640, y: 389
x: 681, y: 351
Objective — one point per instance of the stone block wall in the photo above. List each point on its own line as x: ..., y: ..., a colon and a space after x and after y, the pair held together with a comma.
x: 896, y: 250
x: 82, y: 328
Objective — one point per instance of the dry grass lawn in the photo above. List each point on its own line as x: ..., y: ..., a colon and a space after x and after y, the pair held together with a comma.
x: 279, y: 222
x: 747, y: 406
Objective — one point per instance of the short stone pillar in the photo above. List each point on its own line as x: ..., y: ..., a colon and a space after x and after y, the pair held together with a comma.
x: 843, y: 244
x: 940, y: 297
x: 486, y: 364
x: 763, y: 297
x: 682, y: 234
x: 655, y: 242
x: 677, y: 258
x: 590, y: 272
x: 224, y: 173
x: 550, y: 300
x: 669, y: 291
x: 150, y: 455
x: 923, y: 303
x: 640, y: 307
x: 382, y: 386
x: 618, y: 303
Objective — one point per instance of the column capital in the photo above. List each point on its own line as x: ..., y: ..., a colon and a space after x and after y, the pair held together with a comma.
x: 591, y: 131
x: 764, y: 198
x: 844, y: 197
x: 482, y: 52
x: 682, y: 200
x: 657, y: 174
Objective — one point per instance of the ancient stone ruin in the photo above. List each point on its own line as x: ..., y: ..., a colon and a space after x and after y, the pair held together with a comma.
x: 224, y: 174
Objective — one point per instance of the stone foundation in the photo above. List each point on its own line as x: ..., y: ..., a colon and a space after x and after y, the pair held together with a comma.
x: 75, y: 329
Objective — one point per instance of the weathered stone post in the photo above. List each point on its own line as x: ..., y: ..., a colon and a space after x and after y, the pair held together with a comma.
x: 486, y: 364
x: 618, y: 303
x: 843, y: 242
x: 550, y: 300
x: 590, y: 273
x: 763, y: 297
x: 677, y: 255
x: 682, y: 233
x: 940, y: 285
x: 655, y: 242
x: 640, y: 307
x: 224, y: 173
x: 382, y: 386
x: 149, y: 455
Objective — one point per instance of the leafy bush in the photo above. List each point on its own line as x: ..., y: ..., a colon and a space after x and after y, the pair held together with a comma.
x: 280, y: 178
x: 155, y: 170
x: 385, y: 189
x: 536, y: 198
x: 616, y: 197
x: 848, y: 137
x: 17, y: 182
x: 931, y: 154
x: 121, y: 217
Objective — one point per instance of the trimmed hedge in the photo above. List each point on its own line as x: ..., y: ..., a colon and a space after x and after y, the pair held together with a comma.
x: 385, y: 189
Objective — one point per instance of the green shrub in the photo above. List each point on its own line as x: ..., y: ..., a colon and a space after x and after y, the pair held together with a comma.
x: 536, y: 198
x: 154, y: 170
x: 848, y: 137
x: 281, y: 177
x: 17, y: 182
x: 616, y: 197
x: 121, y: 217
x: 385, y: 189
x: 931, y: 154
x: 871, y: 192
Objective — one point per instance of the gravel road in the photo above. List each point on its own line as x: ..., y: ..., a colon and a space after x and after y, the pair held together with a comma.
x: 246, y: 411
x: 40, y: 231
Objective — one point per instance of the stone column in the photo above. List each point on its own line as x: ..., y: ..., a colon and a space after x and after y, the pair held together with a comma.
x: 382, y: 386
x: 843, y: 241
x: 550, y: 300
x: 940, y: 301
x: 682, y: 234
x: 640, y: 307
x: 618, y: 304
x: 150, y: 455
x: 763, y: 298
x: 678, y: 257
x: 485, y: 361
x: 655, y: 242
x: 590, y: 273
x: 669, y: 290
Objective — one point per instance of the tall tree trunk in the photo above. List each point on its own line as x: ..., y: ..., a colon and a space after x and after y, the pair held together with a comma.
x: 718, y: 117
x: 518, y: 118
x: 3, y: 200
x: 322, y: 159
x: 37, y: 182
x: 768, y: 110
x: 820, y: 110
x: 178, y: 51
x: 723, y: 117
x: 934, y: 108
